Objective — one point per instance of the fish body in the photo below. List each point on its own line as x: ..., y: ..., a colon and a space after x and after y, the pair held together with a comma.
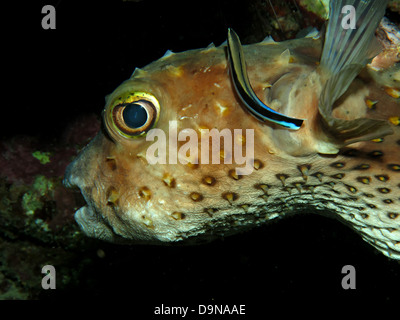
x: 347, y: 168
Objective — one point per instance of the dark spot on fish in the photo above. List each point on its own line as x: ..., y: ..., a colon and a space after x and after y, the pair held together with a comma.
x: 363, y: 166
x: 338, y: 176
x: 262, y: 186
x: 392, y: 215
x: 372, y: 206
x: 298, y: 185
x: 230, y: 196
x: 387, y: 201
x: 258, y: 164
x: 351, y: 188
x: 195, y: 196
x: 233, y: 175
x: 364, y: 215
x: 210, y: 211
x: 382, y: 177
x: 178, y: 215
x: 318, y: 175
x: 364, y: 180
x: 193, y: 165
x: 208, y: 180
x: 375, y: 154
x: 394, y: 167
x: 330, y: 183
x: 282, y: 177
x: 304, y: 168
x: 111, y: 163
x: 148, y: 222
x: 351, y: 153
x: 112, y: 196
x: 169, y: 181
x: 368, y: 195
x: 337, y: 165
x: 145, y: 193
x: 384, y: 190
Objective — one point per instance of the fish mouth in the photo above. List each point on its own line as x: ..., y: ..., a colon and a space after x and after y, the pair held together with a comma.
x: 89, y: 221
x: 76, y: 185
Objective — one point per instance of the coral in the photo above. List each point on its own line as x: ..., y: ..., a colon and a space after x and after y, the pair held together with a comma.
x: 31, y: 200
x: 394, y: 5
x: 36, y: 211
x: 43, y: 157
x: 319, y: 7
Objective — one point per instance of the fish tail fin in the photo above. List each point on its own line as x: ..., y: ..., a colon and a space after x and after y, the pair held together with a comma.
x: 349, y: 45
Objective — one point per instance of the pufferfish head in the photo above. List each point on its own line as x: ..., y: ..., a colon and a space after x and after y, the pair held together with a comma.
x: 127, y: 196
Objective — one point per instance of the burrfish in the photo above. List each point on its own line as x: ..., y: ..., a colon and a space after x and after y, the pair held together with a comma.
x: 210, y: 142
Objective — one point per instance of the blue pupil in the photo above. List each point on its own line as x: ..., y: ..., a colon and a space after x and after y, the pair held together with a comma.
x: 135, y: 116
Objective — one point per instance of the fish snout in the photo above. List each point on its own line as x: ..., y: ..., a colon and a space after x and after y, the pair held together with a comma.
x: 80, y: 176
x: 81, y: 171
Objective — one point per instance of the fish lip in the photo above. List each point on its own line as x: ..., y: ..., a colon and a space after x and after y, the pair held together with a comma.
x: 76, y: 185
x: 86, y: 214
x: 79, y: 217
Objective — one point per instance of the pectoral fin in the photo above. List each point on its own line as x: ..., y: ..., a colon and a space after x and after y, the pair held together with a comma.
x: 346, y: 51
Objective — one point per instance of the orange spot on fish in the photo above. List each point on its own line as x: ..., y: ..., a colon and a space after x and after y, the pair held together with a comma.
x: 371, y: 104
x: 393, y: 92
x: 395, y: 120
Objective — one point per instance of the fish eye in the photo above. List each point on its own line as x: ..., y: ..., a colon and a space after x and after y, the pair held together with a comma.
x: 134, y: 118
x: 133, y: 114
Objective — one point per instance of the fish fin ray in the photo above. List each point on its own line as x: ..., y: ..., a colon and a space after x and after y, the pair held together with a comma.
x: 348, y: 131
x: 345, y: 53
x: 345, y: 46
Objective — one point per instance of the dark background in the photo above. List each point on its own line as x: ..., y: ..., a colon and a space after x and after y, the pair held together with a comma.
x: 60, y: 74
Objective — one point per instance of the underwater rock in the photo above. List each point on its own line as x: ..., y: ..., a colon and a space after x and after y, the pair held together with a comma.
x: 394, y: 5
x: 36, y: 211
